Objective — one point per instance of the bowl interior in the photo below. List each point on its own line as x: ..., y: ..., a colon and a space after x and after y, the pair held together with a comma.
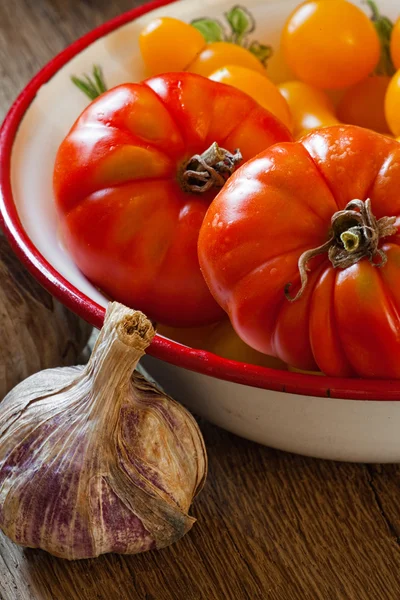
x: 56, y: 104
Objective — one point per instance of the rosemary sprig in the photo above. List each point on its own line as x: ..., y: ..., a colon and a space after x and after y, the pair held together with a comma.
x: 92, y: 85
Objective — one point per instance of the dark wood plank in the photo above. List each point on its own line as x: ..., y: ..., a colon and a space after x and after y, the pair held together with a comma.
x: 270, y: 525
x: 33, y: 31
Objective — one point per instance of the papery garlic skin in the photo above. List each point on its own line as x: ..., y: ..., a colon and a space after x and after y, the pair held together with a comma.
x: 93, y: 460
x: 36, y: 331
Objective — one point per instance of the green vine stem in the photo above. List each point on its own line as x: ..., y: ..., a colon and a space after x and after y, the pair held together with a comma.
x: 92, y: 85
x: 240, y: 23
x: 384, y: 27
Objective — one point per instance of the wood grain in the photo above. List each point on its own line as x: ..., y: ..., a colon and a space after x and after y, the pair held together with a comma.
x: 270, y: 525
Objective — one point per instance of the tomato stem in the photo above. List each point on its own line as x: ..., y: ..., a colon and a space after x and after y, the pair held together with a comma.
x: 351, y: 239
x: 210, y: 169
x: 374, y: 9
x: 241, y: 23
x: 383, y: 26
x: 355, y: 234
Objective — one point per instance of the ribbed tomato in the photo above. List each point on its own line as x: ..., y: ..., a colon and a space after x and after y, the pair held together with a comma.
x: 132, y: 190
x: 302, y: 249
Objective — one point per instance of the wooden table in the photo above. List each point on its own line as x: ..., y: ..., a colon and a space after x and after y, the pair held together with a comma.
x: 270, y: 525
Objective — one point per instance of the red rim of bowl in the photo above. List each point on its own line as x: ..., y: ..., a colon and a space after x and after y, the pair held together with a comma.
x: 162, y: 348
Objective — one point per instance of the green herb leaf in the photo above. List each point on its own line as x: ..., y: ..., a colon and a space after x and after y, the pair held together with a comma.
x: 92, y: 86
x: 210, y: 29
x: 262, y: 52
x: 384, y: 27
x: 99, y: 79
x: 241, y: 23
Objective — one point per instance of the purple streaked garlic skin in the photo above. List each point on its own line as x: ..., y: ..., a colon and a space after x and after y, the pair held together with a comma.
x: 95, y: 460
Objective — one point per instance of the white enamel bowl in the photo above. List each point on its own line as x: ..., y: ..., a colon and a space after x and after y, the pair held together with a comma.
x: 317, y: 416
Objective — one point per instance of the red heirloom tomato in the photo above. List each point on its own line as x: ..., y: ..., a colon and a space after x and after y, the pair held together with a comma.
x: 302, y: 249
x: 132, y: 189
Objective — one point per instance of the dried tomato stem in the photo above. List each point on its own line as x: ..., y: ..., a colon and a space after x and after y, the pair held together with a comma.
x: 355, y: 234
x: 351, y: 240
x: 303, y: 269
x: 209, y: 169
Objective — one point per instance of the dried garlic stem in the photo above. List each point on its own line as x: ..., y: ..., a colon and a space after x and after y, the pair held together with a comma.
x: 120, y: 345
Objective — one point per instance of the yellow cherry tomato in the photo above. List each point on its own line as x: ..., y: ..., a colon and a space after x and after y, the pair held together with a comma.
x: 193, y: 337
x: 392, y: 104
x: 169, y: 44
x: 309, y: 106
x: 221, y: 339
x: 225, y: 342
x: 395, y: 44
x: 294, y: 370
x: 330, y: 43
x: 258, y: 87
x: 218, y: 54
x: 363, y: 104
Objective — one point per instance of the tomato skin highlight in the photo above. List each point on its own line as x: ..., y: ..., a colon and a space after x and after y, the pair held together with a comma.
x: 276, y: 207
x: 124, y: 216
x: 330, y: 43
x: 310, y: 107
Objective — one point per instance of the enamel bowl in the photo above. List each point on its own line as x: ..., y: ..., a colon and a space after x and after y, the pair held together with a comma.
x: 343, y: 419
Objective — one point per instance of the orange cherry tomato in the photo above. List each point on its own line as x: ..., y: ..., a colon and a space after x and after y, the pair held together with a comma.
x: 258, y: 87
x: 221, y: 339
x: 130, y: 213
x: 330, y: 43
x: 341, y: 313
x: 218, y: 54
x: 363, y: 104
x: 169, y: 44
x: 310, y: 107
x: 392, y: 104
x: 395, y: 44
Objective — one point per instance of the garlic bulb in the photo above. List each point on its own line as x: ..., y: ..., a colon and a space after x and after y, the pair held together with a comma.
x: 36, y: 331
x: 93, y: 460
